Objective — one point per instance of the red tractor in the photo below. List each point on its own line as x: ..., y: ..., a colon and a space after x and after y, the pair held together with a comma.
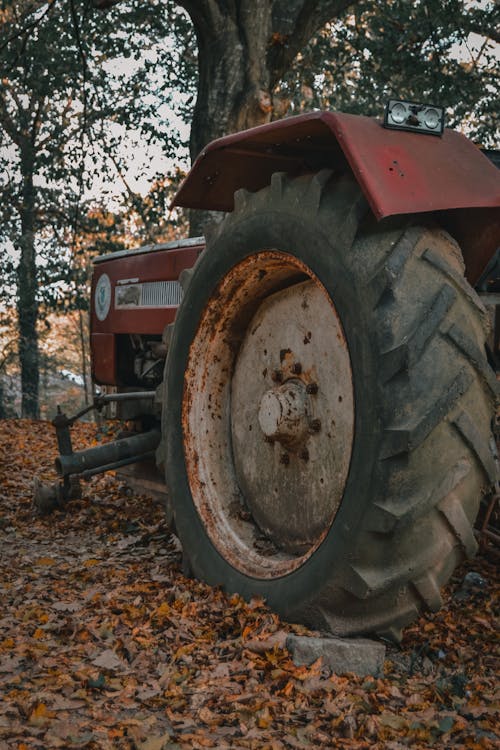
x: 316, y: 385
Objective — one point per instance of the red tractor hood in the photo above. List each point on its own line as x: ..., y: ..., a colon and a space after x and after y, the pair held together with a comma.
x: 399, y: 172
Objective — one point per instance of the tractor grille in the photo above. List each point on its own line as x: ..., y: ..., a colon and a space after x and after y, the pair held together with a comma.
x: 161, y: 293
x: 149, y: 294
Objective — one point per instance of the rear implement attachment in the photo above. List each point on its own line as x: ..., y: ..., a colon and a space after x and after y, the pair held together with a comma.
x: 72, y: 466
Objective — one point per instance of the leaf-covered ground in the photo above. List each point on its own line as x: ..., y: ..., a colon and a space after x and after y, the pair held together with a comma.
x: 104, y: 643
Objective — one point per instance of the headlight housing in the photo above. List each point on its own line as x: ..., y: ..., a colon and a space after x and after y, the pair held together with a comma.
x: 421, y: 118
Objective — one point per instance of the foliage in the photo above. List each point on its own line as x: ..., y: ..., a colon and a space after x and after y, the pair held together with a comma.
x: 444, y: 53
x: 69, y: 103
x: 105, y: 644
x: 75, y: 83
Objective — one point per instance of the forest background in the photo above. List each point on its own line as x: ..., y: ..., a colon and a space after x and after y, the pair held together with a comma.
x: 104, y: 104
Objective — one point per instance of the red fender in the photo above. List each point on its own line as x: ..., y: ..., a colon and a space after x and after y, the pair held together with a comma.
x: 399, y: 172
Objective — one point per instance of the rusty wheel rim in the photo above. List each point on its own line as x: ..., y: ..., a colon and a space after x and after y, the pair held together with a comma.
x: 268, y: 415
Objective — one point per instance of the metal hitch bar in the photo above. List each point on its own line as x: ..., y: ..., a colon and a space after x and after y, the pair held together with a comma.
x: 73, y: 466
x: 109, y: 456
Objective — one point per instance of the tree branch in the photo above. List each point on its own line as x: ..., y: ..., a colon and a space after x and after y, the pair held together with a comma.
x: 37, y: 117
x: 135, y: 200
x: 8, y: 123
x: 294, y: 23
x: 491, y: 32
x: 29, y: 27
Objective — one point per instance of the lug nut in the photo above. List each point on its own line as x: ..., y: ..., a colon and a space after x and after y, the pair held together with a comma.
x: 285, y: 459
x: 312, y: 388
x: 315, y: 425
x: 277, y: 376
x: 304, y: 454
x: 296, y: 368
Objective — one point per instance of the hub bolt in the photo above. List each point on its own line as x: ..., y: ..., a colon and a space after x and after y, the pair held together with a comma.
x: 312, y: 388
x: 277, y: 376
x: 285, y: 459
x: 296, y: 368
x: 315, y: 425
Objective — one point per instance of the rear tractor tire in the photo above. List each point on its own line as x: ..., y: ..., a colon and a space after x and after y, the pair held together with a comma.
x: 329, y: 409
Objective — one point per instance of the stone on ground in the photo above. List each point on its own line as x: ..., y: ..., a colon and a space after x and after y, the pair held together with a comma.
x: 359, y: 655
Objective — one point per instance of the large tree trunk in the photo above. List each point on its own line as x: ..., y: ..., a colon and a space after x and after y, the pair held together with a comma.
x: 244, y: 48
x: 27, y: 304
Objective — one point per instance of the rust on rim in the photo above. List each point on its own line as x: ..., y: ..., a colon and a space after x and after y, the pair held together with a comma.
x: 264, y: 514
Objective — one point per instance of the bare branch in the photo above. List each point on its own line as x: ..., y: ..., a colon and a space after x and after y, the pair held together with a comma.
x: 8, y: 123
x: 37, y: 117
x: 29, y: 27
x: 491, y: 33
x: 135, y: 199
x: 104, y: 4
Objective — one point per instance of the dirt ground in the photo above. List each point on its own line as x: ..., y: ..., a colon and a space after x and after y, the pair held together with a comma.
x: 105, y: 644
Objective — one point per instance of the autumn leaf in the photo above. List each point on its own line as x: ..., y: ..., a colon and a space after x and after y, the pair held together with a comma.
x: 40, y: 715
x: 108, y: 660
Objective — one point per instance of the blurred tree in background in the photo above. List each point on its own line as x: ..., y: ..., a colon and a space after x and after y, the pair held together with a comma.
x: 79, y: 94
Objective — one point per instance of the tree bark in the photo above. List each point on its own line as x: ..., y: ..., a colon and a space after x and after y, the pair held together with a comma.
x: 27, y: 304
x: 244, y: 48
x: 83, y: 354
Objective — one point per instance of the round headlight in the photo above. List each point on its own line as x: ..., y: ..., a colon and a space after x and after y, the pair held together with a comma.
x: 431, y: 118
x: 398, y: 113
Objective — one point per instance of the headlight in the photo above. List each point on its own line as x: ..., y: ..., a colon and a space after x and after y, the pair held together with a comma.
x: 421, y: 118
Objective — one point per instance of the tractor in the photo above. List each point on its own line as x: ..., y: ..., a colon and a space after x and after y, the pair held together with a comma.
x: 313, y: 388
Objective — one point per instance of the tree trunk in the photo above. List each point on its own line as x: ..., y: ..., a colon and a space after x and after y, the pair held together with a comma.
x: 27, y: 303
x: 233, y: 84
x: 3, y: 410
x: 83, y: 353
x: 244, y: 48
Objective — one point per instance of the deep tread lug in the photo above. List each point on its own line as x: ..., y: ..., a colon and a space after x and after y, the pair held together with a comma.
x: 392, y: 634
x: 395, y: 442
x: 438, y: 262
x: 407, y: 352
x: 452, y: 510
x: 392, y: 630
x: 442, y: 407
x: 474, y: 355
x: 428, y: 590
x: 400, y: 440
x: 241, y: 199
x: 278, y: 181
x: 385, y: 278
x: 312, y: 198
x: 381, y: 519
x: 397, y: 513
x: 472, y: 437
x: 352, y: 206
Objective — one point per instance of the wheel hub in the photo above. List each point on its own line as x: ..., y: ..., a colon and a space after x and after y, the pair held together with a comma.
x: 283, y: 413
x: 268, y: 414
